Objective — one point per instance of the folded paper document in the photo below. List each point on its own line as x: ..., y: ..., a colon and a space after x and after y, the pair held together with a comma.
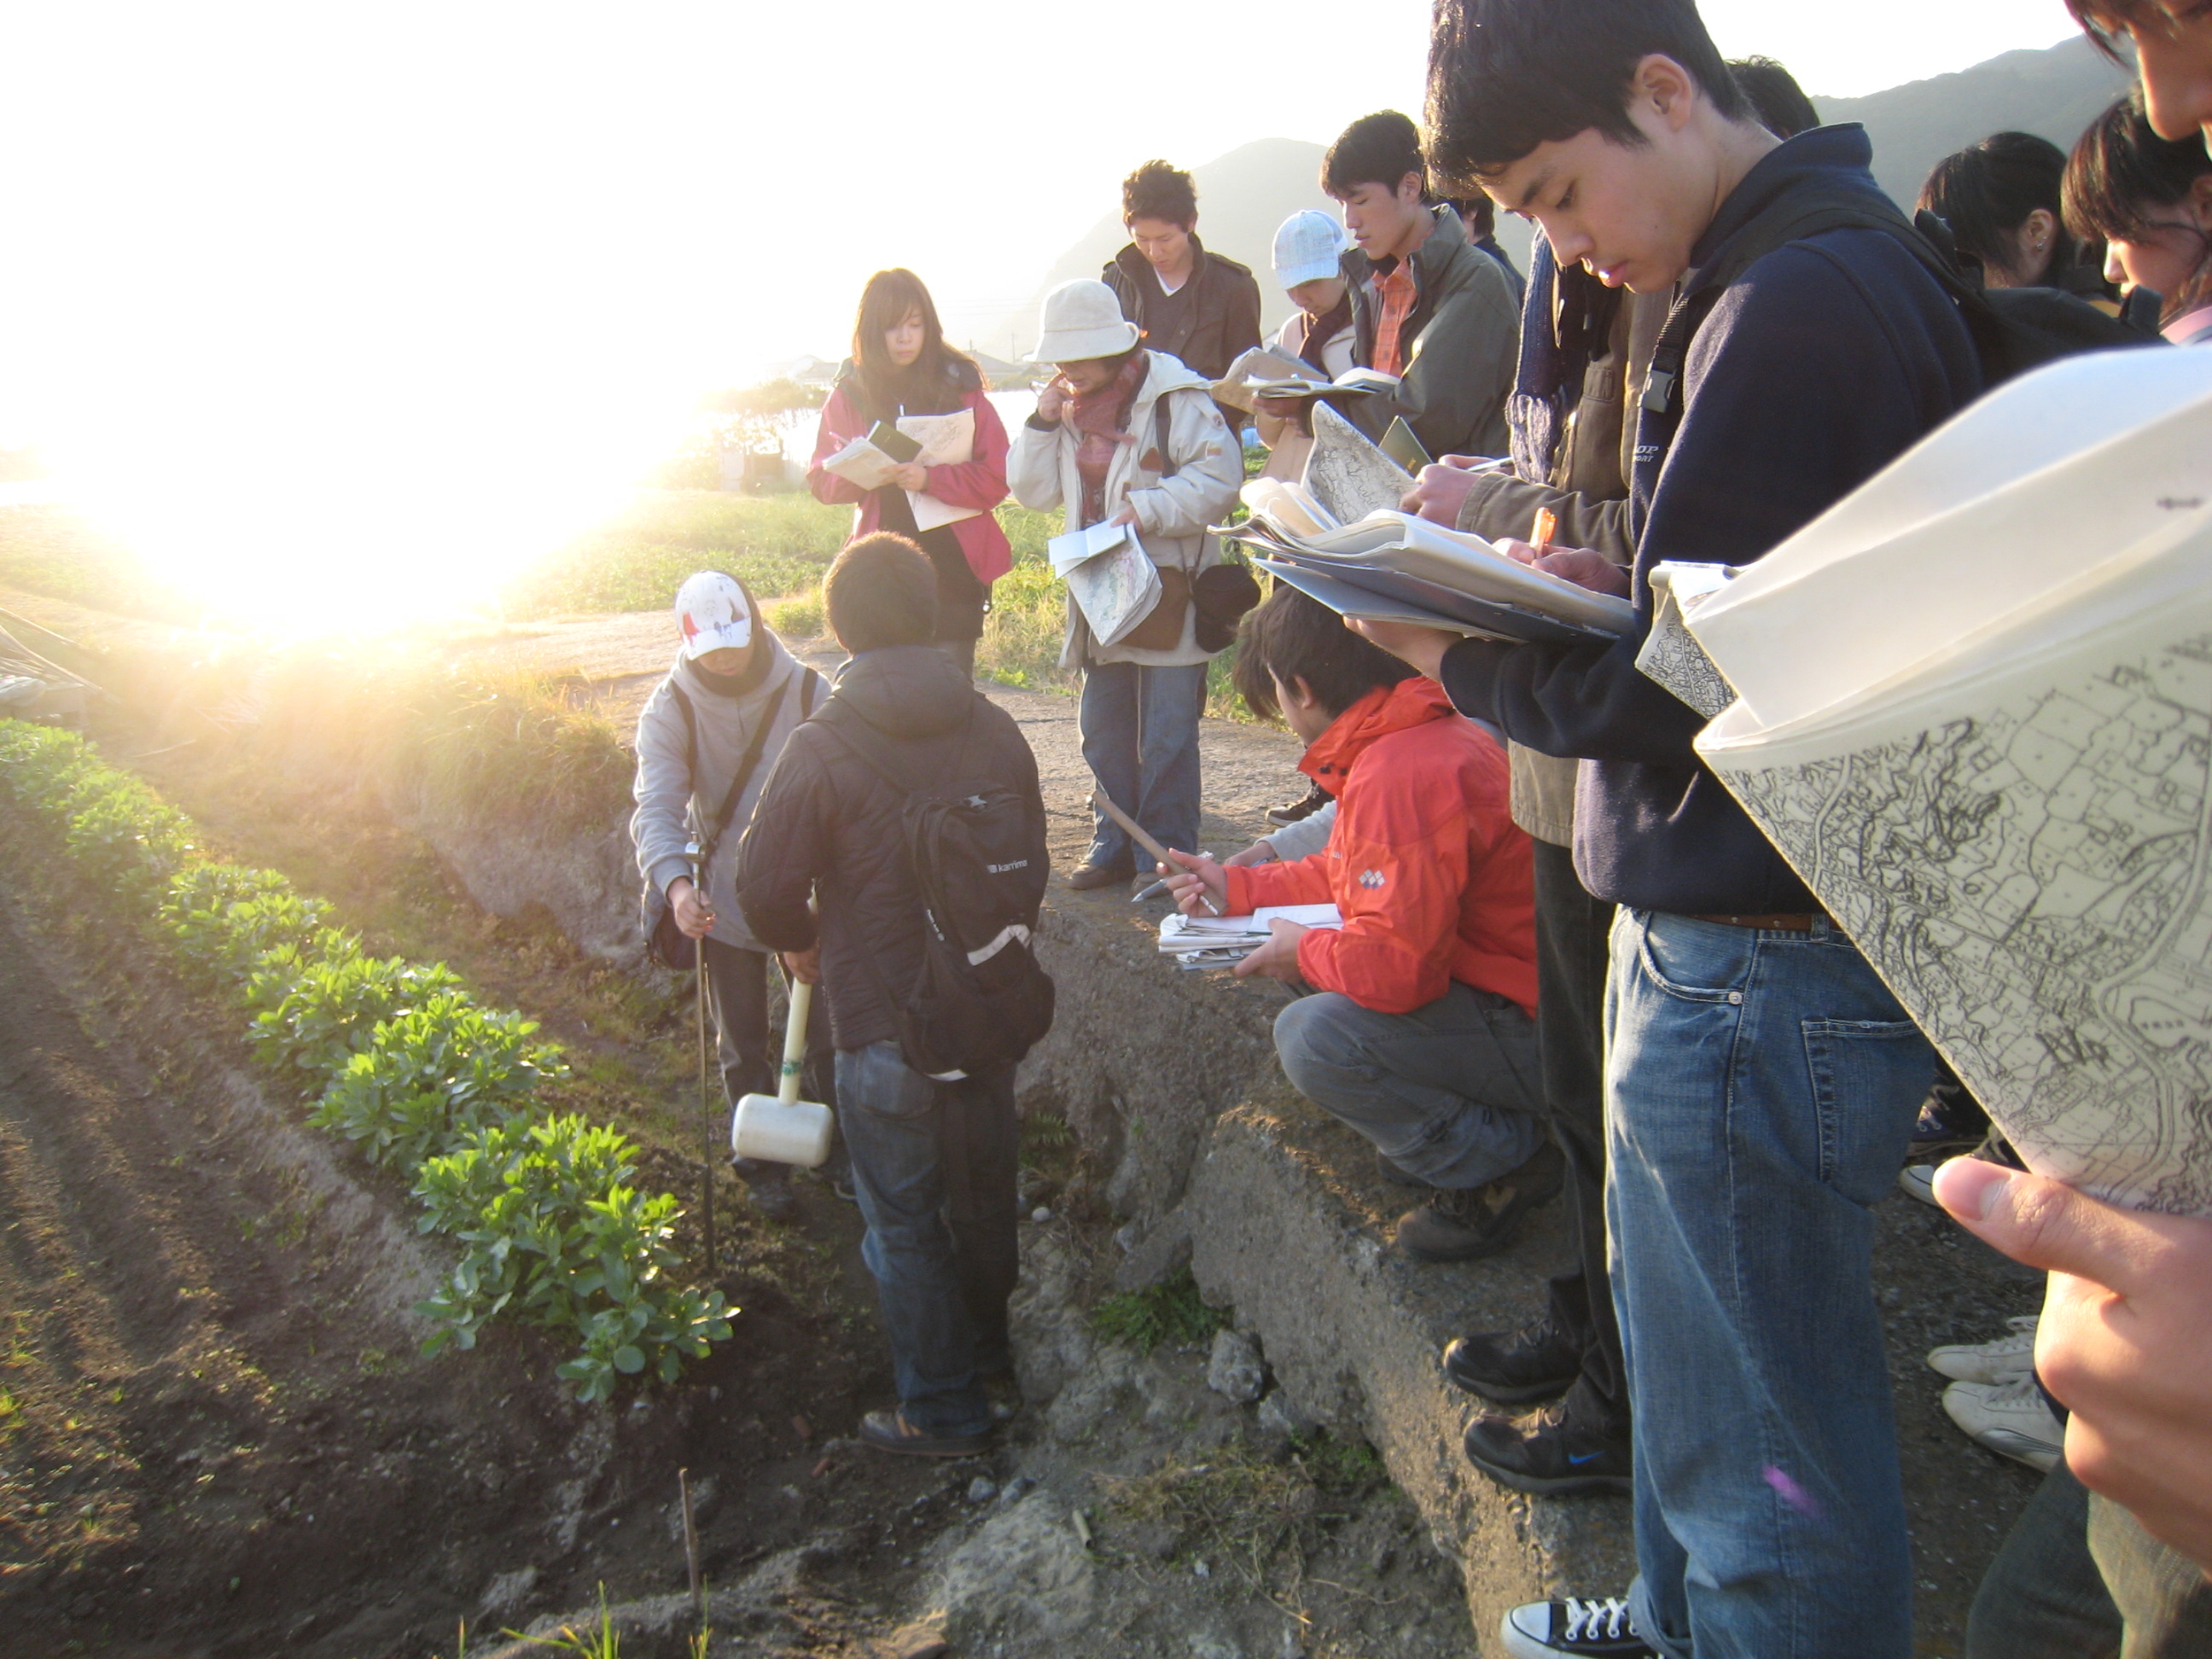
x: 1218, y: 941
x: 1972, y: 705
x: 946, y: 440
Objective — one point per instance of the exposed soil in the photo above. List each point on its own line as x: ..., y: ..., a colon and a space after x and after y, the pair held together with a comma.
x: 217, y: 1436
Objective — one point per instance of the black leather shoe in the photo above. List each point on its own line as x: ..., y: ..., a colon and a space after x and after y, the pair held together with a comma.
x: 1514, y: 1367
x: 1545, y: 1452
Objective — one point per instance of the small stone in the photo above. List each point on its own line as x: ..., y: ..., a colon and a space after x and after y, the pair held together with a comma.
x: 1234, y: 1368
x: 1201, y: 1570
x: 982, y: 1489
x: 1383, y: 1557
x: 1278, y: 1415
x: 1042, y: 1214
x: 1017, y: 1489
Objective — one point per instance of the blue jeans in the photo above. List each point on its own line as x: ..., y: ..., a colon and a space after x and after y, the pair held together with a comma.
x: 1140, y: 729
x: 934, y: 1167
x: 1450, y: 1092
x: 1760, y: 1091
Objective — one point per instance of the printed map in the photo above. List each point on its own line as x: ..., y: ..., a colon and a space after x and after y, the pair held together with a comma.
x: 2032, y: 883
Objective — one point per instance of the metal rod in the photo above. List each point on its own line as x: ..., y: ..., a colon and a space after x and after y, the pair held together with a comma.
x: 706, y: 1126
x: 692, y: 1547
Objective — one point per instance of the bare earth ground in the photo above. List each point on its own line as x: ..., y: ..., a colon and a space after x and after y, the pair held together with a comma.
x: 207, y: 1345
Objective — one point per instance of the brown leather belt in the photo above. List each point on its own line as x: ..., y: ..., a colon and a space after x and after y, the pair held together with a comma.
x: 1780, y: 924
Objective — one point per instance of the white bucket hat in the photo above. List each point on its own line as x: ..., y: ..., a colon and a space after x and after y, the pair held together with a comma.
x: 1082, y: 319
x: 712, y: 614
x: 1309, y: 246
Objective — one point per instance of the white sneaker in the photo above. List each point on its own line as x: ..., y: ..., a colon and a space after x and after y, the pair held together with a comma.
x: 2004, y: 1360
x: 1918, y: 1181
x: 1596, y: 1630
x: 2010, y: 1419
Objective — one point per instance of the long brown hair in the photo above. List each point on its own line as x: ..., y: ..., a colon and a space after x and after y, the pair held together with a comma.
x: 932, y: 382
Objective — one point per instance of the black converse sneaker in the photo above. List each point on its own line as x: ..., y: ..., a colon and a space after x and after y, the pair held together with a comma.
x: 1596, y: 1630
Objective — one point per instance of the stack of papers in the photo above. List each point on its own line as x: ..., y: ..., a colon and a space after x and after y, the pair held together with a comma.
x: 1972, y: 706
x: 921, y: 440
x: 1224, y: 941
x: 1393, y: 567
x: 1337, y: 535
x: 1268, y: 371
x: 1112, y: 579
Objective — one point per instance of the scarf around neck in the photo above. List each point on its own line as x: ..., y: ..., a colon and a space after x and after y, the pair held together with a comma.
x: 1099, y: 420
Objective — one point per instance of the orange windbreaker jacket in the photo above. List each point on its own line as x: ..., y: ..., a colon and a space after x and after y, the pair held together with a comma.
x: 1426, y: 861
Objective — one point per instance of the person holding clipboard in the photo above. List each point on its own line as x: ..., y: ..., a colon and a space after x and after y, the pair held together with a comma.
x: 901, y: 368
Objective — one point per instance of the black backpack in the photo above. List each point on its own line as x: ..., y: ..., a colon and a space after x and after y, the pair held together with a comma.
x: 980, y: 1000
x: 2013, y: 330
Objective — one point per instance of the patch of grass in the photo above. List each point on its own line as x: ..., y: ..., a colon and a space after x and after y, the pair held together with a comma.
x: 1171, y: 1312
x: 50, y: 550
x: 1236, y: 1503
x: 775, y: 544
x: 800, y: 618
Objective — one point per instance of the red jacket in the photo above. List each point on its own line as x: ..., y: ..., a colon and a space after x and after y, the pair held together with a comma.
x: 1432, y: 876
x: 979, y: 482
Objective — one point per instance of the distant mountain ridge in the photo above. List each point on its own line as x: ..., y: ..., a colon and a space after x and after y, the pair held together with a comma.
x: 1244, y: 195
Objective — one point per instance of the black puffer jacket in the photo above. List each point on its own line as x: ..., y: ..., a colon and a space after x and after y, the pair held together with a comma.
x: 828, y: 823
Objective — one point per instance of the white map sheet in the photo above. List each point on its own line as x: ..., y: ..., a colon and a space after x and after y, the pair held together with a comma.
x: 1997, y: 773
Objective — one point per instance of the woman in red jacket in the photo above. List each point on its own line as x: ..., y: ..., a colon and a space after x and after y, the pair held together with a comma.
x: 901, y: 366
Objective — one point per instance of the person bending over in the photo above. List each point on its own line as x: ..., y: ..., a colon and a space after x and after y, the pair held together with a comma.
x: 934, y: 1160
x: 1418, y: 1030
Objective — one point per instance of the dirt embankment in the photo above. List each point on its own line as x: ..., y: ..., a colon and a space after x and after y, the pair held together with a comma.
x: 216, y: 1435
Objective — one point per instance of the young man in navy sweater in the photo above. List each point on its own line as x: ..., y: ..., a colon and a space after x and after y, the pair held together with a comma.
x: 1761, y: 1083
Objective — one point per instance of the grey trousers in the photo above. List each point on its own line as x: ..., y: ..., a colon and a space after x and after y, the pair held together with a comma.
x: 1449, y: 1093
x: 2079, y: 1578
x: 749, y: 1055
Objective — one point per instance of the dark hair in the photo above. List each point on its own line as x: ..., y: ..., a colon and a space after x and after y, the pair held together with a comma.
x: 880, y: 591
x: 887, y: 301
x: 1290, y: 637
x: 1986, y: 191
x: 1157, y: 190
x: 1380, y: 149
x: 2119, y: 170
x: 1506, y: 76
x: 1776, y: 98
x: 1479, y: 214
x: 2105, y: 20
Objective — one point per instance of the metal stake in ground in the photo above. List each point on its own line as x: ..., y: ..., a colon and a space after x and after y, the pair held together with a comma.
x: 691, y: 1547
x: 708, y: 1137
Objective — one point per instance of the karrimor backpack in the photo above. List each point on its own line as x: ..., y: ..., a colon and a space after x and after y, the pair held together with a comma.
x: 980, y: 1000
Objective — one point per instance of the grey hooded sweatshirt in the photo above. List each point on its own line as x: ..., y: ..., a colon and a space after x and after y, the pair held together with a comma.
x: 673, y: 805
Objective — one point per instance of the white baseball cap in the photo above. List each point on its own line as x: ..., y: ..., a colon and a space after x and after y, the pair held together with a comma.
x: 1082, y: 319
x: 1309, y: 245
x: 712, y: 614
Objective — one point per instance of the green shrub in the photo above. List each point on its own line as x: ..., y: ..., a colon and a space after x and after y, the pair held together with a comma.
x: 317, y: 1006
x: 433, y: 1073
x: 223, y: 918
x: 555, y: 1236
x: 118, y: 831
x: 1171, y: 1312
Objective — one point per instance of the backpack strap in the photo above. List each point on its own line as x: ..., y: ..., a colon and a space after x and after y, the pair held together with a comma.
x: 750, y: 763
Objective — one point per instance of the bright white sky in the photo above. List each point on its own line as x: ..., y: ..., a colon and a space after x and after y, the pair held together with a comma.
x: 367, y: 303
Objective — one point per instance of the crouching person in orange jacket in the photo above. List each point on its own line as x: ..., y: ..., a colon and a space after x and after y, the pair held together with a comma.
x: 1418, y: 1027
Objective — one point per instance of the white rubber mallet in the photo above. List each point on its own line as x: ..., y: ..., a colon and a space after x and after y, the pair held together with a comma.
x: 780, y: 1127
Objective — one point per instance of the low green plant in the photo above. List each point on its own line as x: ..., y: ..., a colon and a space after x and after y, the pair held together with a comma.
x: 1170, y: 1312
x: 554, y: 1235
x: 603, y: 1642
x: 431, y: 1074
x: 315, y: 1007
x: 803, y: 617
x: 223, y: 918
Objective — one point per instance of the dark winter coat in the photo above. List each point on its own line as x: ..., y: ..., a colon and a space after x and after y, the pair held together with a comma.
x: 1827, y: 360
x: 829, y: 825
x: 1219, y: 321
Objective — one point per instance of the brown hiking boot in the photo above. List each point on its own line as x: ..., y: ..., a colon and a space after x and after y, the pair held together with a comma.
x: 1086, y: 876
x: 1477, y: 1221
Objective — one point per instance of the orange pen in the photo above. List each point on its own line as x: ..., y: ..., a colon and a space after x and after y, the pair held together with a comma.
x: 1547, y: 527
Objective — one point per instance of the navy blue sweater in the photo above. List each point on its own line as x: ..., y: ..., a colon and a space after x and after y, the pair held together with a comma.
x: 1828, y: 358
